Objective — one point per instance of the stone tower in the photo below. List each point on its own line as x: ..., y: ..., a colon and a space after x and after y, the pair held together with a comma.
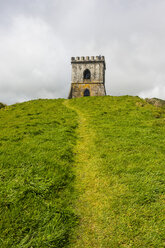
x: 88, y: 76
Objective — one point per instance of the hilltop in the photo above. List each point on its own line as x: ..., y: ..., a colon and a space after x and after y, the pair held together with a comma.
x: 85, y: 172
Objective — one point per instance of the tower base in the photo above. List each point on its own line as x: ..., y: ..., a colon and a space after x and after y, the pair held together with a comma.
x: 82, y: 89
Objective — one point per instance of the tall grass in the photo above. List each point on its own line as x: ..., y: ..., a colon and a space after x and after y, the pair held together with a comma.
x: 36, y: 178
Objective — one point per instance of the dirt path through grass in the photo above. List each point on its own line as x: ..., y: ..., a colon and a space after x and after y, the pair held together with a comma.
x: 91, y: 186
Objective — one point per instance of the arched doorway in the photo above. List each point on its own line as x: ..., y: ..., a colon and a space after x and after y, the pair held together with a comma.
x: 86, y: 92
x: 87, y: 74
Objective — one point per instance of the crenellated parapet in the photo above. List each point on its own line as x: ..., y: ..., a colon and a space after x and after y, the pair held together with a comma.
x: 88, y: 59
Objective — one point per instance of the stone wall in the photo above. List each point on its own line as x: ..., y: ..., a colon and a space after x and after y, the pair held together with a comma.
x: 77, y: 90
x: 96, y: 69
x: 96, y: 83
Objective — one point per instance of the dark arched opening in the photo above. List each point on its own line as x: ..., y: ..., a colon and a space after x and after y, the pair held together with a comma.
x: 87, y: 74
x: 86, y: 92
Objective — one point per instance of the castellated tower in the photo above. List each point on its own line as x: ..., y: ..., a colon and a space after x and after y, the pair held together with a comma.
x: 88, y: 76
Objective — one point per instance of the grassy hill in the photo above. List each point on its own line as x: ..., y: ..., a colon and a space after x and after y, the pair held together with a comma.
x: 85, y: 172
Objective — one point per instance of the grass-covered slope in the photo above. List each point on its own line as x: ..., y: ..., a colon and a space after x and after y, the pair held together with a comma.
x: 129, y: 136
x: 36, y: 140
x: 95, y: 161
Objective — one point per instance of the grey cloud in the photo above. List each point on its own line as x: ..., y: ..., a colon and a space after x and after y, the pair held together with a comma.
x: 38, y: 37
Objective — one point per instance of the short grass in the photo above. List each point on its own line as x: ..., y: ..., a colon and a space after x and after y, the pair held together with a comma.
x: 129, y: 140
x: 90, y: 186
x: 36, y: 178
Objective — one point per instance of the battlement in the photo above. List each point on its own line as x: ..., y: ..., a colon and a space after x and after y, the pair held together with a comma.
x: 88, y: 59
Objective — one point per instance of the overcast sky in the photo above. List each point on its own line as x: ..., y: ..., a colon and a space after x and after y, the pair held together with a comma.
x: 39, y: 37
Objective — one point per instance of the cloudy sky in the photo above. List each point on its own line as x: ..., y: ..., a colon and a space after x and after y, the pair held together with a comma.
x: 38, y: 38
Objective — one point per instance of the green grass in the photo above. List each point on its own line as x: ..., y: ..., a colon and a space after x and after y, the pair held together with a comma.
x: 36, y: 189
x: 85, y: 172
x: 2, y: 105
x: 129, y: 139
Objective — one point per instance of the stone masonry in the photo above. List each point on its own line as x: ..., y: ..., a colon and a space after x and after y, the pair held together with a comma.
x: 88, y: 76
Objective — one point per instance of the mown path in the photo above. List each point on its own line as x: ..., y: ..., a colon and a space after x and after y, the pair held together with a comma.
x: 92, y: 188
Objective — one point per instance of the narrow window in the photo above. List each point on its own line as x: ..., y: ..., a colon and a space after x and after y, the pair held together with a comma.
x: 86, y: 92
x: 87, y: 74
